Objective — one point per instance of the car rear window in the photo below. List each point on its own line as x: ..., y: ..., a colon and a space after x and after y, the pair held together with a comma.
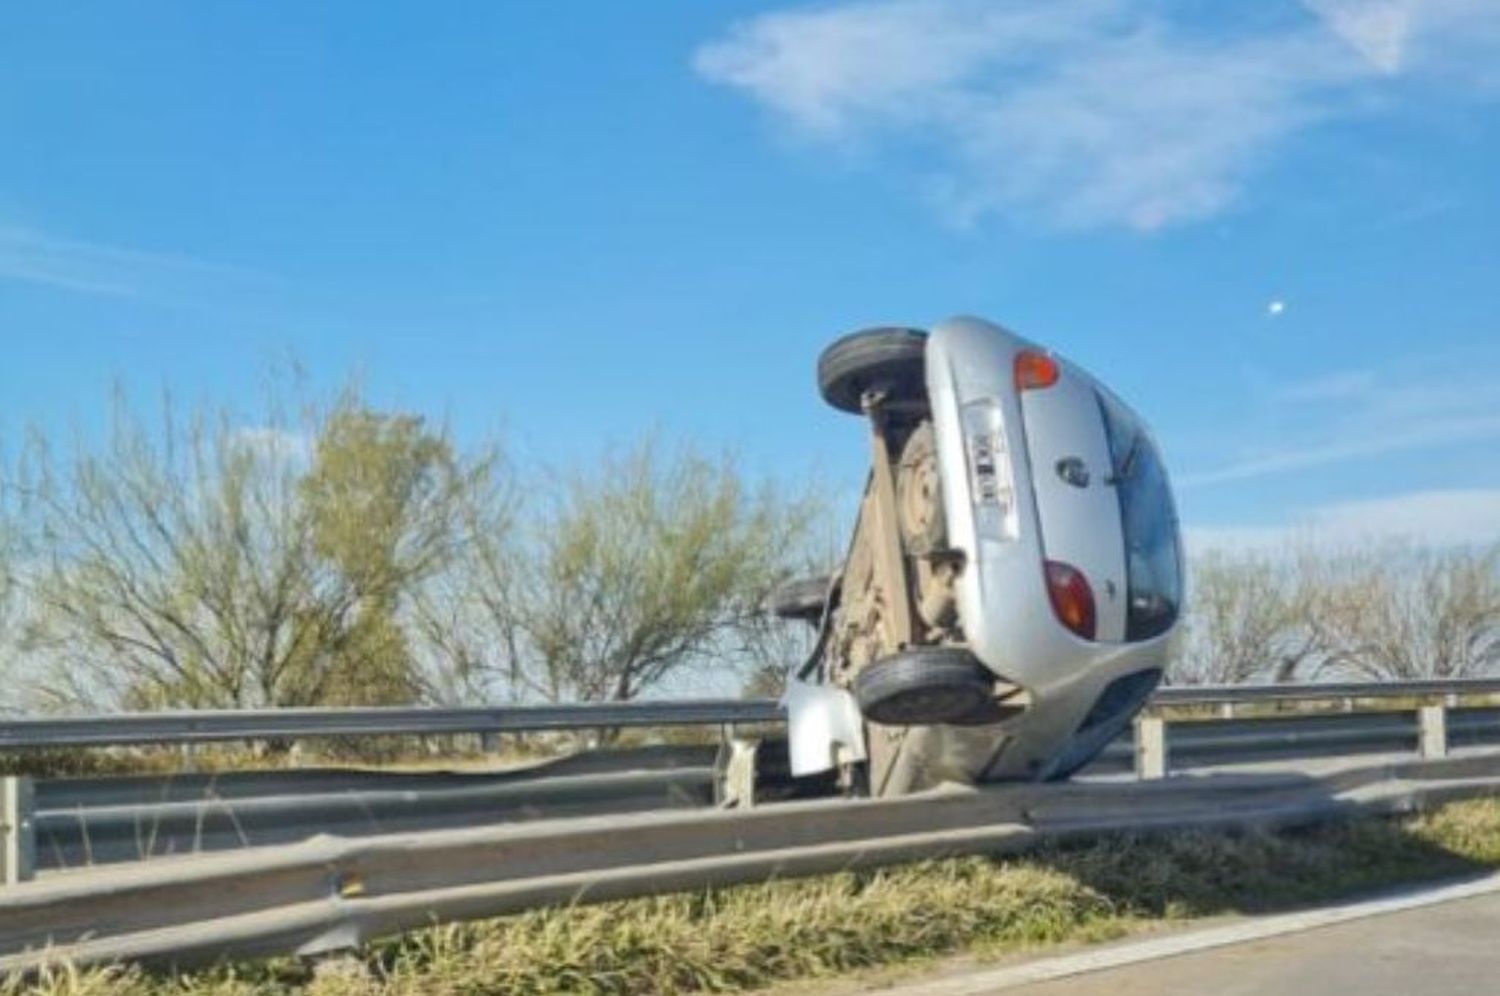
x: 1153, y: 560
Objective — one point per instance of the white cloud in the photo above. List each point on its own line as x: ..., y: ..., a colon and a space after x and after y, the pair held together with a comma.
x: 1429, y: 518
x: 35, y: 257
x: 1086, y: 112
x: 827, y: 68
x: 1447, y: 37
x: 1275, y: 307
x: 1377, y: 30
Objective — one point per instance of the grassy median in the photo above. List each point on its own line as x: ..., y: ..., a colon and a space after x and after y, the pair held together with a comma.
x: 749, y: 937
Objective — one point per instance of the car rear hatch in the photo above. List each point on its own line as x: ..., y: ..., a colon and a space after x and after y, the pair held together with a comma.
x: 1078, y: 512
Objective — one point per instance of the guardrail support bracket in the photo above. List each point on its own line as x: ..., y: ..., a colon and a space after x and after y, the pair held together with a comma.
x: 17, y: 830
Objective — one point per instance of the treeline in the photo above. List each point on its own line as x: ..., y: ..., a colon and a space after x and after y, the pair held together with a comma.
x: 1381, y: 612
x: 338, y: 554
x: 345, y: 555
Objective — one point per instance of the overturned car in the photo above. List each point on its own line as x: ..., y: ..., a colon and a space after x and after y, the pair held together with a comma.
x: 1014, y: 575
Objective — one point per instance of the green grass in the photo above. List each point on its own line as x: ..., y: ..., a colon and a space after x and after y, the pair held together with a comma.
x: 755, y: 936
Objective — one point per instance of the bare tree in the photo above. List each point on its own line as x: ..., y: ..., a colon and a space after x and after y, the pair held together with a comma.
x: 465, y: 621
x: 1245, y: 621
x: 9, y: 584
x: 1391, y: 612
x: 612, y: 582
x: 1409, y: 613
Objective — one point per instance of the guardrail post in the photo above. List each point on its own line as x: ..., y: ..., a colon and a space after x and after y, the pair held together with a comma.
x: 1150, y: 747
x: 1226, y: 710
x: 1432, y: 731
x: 734, y: 774
x: 17, y: 830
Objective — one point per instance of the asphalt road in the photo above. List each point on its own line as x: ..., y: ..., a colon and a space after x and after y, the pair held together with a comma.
x: 1432, y: 940
x: 1452, y: 948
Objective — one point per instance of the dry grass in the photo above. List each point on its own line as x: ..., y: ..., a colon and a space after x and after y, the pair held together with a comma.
x: 752, y: 936
x: 397, y: 752
x: 447, y: 751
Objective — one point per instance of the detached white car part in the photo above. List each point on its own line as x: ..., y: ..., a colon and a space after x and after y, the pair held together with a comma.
x: 1015, y: 573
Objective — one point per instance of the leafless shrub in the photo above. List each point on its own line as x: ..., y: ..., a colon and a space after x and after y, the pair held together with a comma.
x: 646, y: 569
x: 1384, y: 613
x: 1245, y: 622
x: 1396, y: 613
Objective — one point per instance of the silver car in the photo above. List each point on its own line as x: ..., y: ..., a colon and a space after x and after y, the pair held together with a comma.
x: 1015, y: 573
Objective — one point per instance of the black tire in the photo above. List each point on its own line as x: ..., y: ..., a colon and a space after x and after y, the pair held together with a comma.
x: 924, y: 686
x: 888, y: 358
x: 803, y: 598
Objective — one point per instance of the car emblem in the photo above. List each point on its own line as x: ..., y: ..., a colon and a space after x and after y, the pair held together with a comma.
x: 1073, y: 471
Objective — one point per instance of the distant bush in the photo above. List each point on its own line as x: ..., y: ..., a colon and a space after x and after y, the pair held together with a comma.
x: 1382, y: 613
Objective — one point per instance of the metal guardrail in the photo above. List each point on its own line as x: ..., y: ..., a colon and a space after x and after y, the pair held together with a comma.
x: 100, y: 912
x: 1176, y: 695
x: 1215, y: 740
x: 295, y: 724
x: 83, y: 822
x: 328, y: 895
x: 89, y: 821
x: 65, y: 823
x: 207, y: 726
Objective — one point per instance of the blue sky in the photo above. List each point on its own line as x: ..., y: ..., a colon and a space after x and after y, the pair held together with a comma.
x: 1272, y: 227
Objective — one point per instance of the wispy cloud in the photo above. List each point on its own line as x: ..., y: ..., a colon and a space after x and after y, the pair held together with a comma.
x: 1085, y: 112
x: 29, y: 256
x: 1430, y: 432
x: 1433, y: 518
x: 1337, y: 385
x: 1349, y: 415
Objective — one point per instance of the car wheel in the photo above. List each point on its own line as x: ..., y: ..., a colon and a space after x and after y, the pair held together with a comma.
x: 803, y: 598
x: 921, y: 686
x: 889, y: 359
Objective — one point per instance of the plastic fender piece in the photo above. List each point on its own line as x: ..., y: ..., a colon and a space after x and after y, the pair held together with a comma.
x: 823, y: 727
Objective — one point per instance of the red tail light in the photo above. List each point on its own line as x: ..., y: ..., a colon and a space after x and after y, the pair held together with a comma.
x: 1034, y: 370
x: 1072, y: 598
